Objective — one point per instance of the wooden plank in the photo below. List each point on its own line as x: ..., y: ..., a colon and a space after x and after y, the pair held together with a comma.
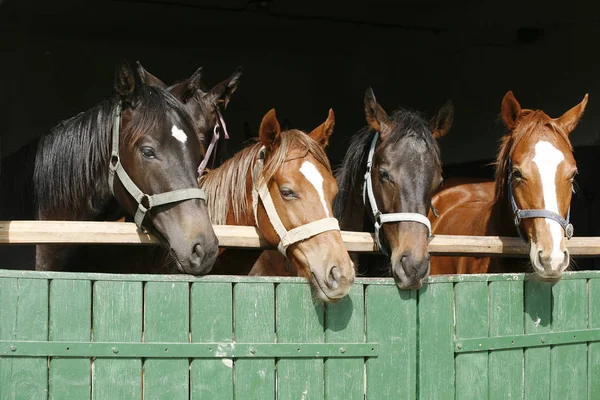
x: 392, y: 322
x: 436, y: 349
x: 594, y: 348
x: 538, y: 319
x: 23, y: 316
x: 117, y: 316
x: 166, y: 319
x: 212, y: 321
x: 506, y: 318
x: 570, y: 360
x: 254, y: 321
x: 471, y: 322
x: 70, y: 319
x: 77, y: 232
x: 345, y: 323
x: 298, y: 320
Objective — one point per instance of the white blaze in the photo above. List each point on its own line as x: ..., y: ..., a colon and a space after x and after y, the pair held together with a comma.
x: 178, y: 134
x: 314, y: 177
x: 547, y: 158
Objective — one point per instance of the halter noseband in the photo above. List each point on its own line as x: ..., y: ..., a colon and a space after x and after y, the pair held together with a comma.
x: 536, y: 213
x: 260, y: 190
x: 378, y: 216
x: 115, y: 165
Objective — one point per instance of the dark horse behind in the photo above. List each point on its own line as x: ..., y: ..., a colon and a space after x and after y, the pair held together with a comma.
x: 65, y: 175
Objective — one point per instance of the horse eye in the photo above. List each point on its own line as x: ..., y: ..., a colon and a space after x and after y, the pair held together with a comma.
x: 148, y: 152
x: 288, y: 193
x: 517, y: 174
x: 384, y: 175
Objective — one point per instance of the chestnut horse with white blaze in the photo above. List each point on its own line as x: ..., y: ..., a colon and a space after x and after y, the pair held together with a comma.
x: 530, y: 196
x: 283, y: 185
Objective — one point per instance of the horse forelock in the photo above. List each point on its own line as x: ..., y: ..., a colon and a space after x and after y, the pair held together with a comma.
x: 225, y: 186
x: 150, y: 113
x: 530, y: 123
x: 404, y: 124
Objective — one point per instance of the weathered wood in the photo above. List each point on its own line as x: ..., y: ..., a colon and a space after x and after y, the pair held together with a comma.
x: 77, y: 232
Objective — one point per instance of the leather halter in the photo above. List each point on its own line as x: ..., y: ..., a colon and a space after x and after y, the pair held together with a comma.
x: 140, y: 197
x: 379, y: 217
x: 535, y: 213
x: 213, y: 143
x: 260, y: 190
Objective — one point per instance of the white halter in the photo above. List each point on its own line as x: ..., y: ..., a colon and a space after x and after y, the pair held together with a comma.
x: 260, y: 191
x: 380, y: 218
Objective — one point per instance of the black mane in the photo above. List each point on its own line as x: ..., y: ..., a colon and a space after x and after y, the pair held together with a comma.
x: 404, y: 123
x: 71, y: 169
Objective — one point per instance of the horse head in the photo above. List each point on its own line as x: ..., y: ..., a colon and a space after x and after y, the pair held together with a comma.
x: 403, y: 174
x: 535, y: 170
x: 160, y: 153
x: 300, y: 183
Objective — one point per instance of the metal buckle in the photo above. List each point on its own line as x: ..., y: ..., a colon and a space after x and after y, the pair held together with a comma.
x: 569, y: 231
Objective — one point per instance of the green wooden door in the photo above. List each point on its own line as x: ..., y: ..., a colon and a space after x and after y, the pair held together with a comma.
x: 79, y: 336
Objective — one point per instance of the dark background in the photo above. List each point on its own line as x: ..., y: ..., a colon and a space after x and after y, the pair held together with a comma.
x: 303, y: 57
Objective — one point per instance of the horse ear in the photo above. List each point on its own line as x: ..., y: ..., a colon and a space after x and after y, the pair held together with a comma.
x: 270, y: 131
x: 570, y: 119
x: 222, y: 92
x: 441, y: 123
x: 147, y: 78
x: 510, y: 110
x: 322, y: 132
x: 125, y: 82
x: 376, y: 115
x: 187, y: 89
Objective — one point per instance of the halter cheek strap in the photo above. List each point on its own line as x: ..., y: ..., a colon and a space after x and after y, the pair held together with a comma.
x: 537, y: 213
x: 378, y: 216
x: 213, y: 143
x: 145, y: 201
x: 260, y: 191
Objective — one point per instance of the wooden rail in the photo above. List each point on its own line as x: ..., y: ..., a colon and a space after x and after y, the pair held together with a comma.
x: 71, y: 232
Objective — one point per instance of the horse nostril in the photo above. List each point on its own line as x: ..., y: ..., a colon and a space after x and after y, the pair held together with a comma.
x: 333, y: 278
x: 403, y: 260
x: 540, y: 258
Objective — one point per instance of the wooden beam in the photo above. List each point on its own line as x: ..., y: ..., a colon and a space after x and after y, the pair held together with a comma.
x: 75, y: 232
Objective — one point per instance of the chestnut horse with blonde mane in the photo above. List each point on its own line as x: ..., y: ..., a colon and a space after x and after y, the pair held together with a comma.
x: 530, y: 196
x: 283, y: 185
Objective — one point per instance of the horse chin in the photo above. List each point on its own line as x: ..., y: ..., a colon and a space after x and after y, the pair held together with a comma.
x: 322, y: 294
x: 546, y: 273
x: 405, y: 282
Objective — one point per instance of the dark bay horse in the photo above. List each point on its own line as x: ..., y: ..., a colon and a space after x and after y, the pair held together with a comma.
x: 403, y: 158
x: 135, y: 154
x: 204, y: 108
x: 530, y: 196
x: 283, y: 185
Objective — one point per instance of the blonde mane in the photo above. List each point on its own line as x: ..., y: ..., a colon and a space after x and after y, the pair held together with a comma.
x: 226, y: 186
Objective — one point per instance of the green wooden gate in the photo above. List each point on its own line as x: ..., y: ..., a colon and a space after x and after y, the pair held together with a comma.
x: 81, y: 336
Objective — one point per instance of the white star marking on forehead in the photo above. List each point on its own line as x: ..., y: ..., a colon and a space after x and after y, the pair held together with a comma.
x: 178, y: 134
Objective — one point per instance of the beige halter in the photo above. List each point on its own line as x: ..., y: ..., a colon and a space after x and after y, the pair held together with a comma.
x: 260, y: 191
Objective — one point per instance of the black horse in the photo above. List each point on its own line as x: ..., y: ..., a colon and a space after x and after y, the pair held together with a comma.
x: 148, y: 138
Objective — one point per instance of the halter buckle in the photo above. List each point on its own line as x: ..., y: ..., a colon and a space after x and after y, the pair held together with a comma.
x: 517, y: 218
x: 569, y: 230
x: 115, y: 160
